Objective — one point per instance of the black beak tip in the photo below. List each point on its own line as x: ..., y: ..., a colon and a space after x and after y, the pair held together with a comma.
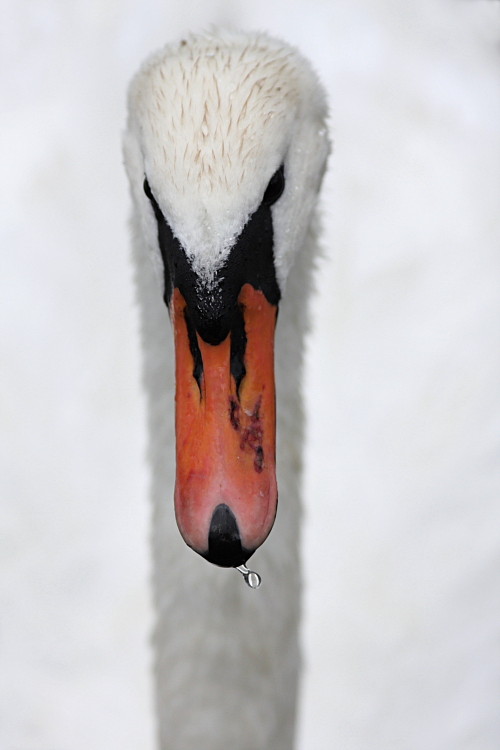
x: 224, y: 542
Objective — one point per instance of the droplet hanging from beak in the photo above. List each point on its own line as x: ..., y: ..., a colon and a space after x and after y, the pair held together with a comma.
x: 252, y: 579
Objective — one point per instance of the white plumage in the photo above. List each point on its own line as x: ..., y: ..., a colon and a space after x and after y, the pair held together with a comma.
x: 210, y: 121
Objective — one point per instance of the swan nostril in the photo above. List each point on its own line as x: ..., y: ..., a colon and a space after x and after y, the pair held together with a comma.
x: 224, y: 542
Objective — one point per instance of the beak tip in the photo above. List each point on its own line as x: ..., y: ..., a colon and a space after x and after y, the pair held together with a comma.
x: 224, y: 541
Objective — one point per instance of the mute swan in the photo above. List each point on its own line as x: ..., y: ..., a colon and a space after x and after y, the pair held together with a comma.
x: 225, y: 150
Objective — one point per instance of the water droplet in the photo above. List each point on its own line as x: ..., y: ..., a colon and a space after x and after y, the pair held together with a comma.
x: 252, y: 579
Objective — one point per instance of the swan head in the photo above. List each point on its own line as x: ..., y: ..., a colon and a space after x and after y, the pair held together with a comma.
x: 225, y: 149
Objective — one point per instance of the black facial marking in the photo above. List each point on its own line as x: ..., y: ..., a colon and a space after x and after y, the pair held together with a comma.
x: 238, y: 346
x: 213, y: 310
x: 195, y: 350
x: 251, y: 261
x: 166, y: 240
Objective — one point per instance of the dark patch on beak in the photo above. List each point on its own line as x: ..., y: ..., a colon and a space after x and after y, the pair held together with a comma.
x: 224, y: 543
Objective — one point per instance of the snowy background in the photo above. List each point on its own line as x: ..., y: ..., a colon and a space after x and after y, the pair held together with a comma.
x: 402, y: 531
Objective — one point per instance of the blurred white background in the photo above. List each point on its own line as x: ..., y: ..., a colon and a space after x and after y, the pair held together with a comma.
x: 402, y: 528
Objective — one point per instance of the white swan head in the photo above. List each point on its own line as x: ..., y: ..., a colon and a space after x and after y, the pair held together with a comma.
x: 225, y: 150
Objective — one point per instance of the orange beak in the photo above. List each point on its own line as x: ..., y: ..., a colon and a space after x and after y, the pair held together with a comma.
x: 225, y: 491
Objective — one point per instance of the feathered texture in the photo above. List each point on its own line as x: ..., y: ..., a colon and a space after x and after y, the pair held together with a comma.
x: 211, y: 119
x: 226, y: 657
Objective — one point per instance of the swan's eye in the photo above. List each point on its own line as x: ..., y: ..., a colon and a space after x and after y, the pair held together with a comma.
x: 275, y: 187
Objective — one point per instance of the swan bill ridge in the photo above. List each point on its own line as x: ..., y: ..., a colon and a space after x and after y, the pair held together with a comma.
x: 226, y: 491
